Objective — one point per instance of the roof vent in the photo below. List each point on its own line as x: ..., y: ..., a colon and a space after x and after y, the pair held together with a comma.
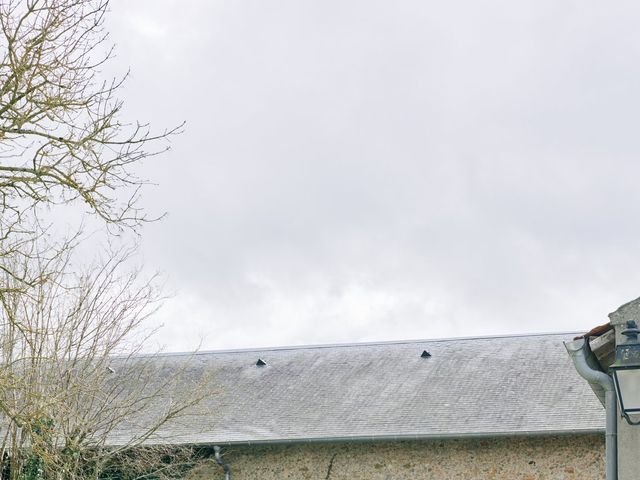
x: 425, y: 354
x: 260, y: 363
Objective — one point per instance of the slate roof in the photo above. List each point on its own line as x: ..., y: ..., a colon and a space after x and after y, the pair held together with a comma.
x: 515, y: 385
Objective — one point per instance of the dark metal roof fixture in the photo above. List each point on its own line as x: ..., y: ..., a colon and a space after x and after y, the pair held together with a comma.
x: 260, y: 363
x: 425, y: 354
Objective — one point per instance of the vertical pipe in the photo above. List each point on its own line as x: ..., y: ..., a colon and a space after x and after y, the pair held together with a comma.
x: 611, y: 435
x: 225, y: 466
x: 578, y: 350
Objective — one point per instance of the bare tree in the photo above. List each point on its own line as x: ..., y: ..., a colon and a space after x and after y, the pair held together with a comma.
x: 61, y: 135
x: 76, y: 398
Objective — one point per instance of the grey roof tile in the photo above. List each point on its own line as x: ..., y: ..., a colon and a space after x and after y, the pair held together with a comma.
x: 468, y: 387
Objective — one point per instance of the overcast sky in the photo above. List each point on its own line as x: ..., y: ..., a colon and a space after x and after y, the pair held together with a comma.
x: 361, y: 170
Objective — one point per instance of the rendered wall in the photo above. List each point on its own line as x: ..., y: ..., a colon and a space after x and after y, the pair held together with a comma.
x: 540, y: 458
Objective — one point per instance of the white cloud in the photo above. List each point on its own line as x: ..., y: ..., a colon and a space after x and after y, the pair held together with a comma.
x: 361, y: 170
x: 146, y: 27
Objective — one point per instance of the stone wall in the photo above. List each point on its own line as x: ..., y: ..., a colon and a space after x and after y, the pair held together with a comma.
x: 536, y: 458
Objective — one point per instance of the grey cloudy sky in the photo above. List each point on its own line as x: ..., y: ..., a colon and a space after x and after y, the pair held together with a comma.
x: 371, y: 170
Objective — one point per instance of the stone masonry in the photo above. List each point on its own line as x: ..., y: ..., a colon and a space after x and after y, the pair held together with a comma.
x: 579, y: 457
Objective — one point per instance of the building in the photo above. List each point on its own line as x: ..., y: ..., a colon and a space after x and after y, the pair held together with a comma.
x: 508, y: 407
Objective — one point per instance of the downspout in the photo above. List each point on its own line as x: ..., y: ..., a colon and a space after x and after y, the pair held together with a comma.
x: 578, y: 350
x: 225, y: 466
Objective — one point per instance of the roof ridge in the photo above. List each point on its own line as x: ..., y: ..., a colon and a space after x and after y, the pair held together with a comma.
x: 358, y: 344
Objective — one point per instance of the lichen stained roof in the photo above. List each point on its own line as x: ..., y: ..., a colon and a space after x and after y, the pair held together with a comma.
x: 514, y: 385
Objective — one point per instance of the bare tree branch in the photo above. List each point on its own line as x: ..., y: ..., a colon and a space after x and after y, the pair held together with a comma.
x: 62, y: 139
x: 74, y: 392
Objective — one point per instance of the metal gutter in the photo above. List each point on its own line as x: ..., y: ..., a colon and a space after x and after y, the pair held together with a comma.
x: 402, y: 438
x: 382, y: 438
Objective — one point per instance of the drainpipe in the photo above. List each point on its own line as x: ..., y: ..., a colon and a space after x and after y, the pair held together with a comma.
x: 225, y: 466
x: 578, y: 351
